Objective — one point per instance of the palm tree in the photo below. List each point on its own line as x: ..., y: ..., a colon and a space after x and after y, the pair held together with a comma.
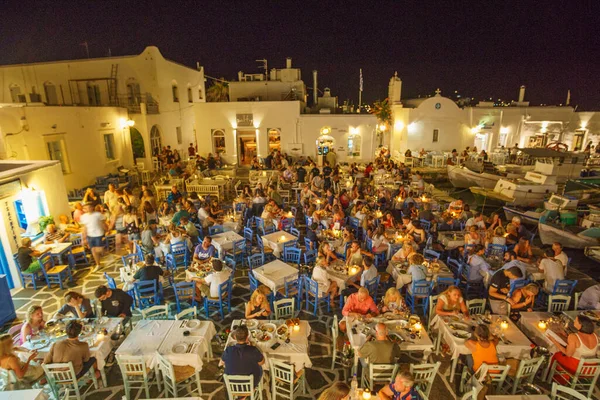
x: 219, y: 91
x: 383, y: 112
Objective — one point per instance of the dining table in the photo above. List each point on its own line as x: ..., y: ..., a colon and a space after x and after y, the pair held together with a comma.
x: 277, y: 347
x: 277, y: 240
x: 57, y: 250
x: 93, y: 334
x: 398, y: 272
x: 456, y: 330
x: 451, y: 239
x: 275, y: 274
x: 338, y: 272
x: 223, y: 242
x: 27, y: 394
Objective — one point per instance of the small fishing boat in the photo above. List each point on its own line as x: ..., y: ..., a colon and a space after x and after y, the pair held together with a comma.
x: 593, y: 253
x: 562, y: 227
x: 554, y: 203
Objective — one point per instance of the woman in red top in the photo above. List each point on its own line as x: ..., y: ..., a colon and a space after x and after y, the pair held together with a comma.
x: 388, y: 220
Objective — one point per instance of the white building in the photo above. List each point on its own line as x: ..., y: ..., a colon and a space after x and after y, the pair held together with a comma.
x: 158, y: 94
x: 28, y: 191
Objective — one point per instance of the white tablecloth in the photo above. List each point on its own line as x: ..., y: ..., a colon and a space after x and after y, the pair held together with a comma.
x: 223, y: 242
x: 274, y: 274
x: 29, y: 394
x: 341, y: 278
x: 295, y: 352
x: 395, y: 270
x: 150, y: 336
x: 276, y: 240
x: 449, y: 241
x: 529, y: 325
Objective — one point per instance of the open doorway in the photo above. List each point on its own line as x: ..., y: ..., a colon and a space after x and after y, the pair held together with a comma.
x: 246, y: 147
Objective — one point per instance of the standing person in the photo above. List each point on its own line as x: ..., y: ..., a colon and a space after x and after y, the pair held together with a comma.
x: 242, y: 358
x: 111, y: 196
x: 331, y: 158
x: 94, y: 229
x: 559, y: 255
x: 191, y: 150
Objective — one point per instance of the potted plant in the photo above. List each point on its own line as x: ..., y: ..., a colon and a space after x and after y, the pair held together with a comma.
x: 43, y: 222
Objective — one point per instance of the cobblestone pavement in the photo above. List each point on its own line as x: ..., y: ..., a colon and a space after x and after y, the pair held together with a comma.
x: 318, y: 377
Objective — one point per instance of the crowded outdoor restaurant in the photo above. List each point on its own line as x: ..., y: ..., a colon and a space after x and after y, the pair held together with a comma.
x: 236, y: 288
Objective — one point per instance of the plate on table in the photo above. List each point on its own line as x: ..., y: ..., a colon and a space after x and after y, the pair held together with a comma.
x: 282, y: 330
x: 192, y: 323
x: 460, y: 334
x: 390, y: 315
x: 39, y: 344
x: 395, y: 338
x: 591, y: 315
x: 268, y: 327
x: 458, y: 326
x: 251, y: 323
x: 180, y: 348
x: 264, y: 337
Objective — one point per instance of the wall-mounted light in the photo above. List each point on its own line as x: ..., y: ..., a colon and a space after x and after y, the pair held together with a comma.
x: 124, y: 123
x: 504, y: 130
x: 354, y: 130
x: 325, y: 130
x: 412, y: 127
x: 583, y: 124
x: 475, y: 129
x: 399, y: 125
x: 382, y: 127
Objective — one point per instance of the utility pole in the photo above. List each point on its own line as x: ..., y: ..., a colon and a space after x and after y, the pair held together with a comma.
x: 87, y: 49
x: 264, y: 66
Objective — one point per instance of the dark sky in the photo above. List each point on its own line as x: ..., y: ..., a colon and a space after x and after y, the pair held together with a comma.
x: 482, y: 49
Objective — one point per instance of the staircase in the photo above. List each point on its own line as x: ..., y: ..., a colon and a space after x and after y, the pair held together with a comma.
x: 112, y: 86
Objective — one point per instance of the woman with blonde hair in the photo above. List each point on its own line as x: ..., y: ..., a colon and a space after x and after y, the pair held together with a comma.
x: 392, y: 301
x: 499, y: 236
x: 524, y: 298
x: 258, y: 307
x: 405, y: 251
x: 337, y: 391
x: 451, y: 302
x: 34, y: 323
x: 25, y: 372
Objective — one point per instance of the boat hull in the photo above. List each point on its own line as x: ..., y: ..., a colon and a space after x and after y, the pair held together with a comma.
x: 593, y: 253
x: 462, y: 177
x: 530, y: 218
x: 554, y: 233
x: 490, y: 197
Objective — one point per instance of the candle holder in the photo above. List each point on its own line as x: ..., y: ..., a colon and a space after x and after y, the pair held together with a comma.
x: 504, y: 324
x: 366, y: 394
x: 297, y: 327
x: 542, y: 325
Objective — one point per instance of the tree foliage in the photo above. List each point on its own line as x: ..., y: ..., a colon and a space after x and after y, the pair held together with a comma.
x: 383, y: 112
x: 218, y: 92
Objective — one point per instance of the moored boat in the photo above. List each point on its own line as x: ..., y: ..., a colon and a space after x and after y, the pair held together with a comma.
x: 574, y: 237
x: 463, y: 177
x: 593, y: 253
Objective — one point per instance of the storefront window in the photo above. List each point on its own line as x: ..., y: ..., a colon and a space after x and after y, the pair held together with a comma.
x: 274, y: 139
x: 354, y: 143
x: 218, y: 138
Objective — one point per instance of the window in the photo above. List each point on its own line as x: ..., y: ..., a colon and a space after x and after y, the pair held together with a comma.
x: 218, y: 137
x: 502, y: 138
x: 179, y: 138
x: 436, y: 134
x: 175, y: 90
x: 274, y: 139
x: 354, y: 143
x: 35, y: 97
x: 93, y: 93
x: 190, y: 98
x: 134, y: 96
x: 57, y: 150
x: 109, y: 146
x: 51, y: 97
x: 15, y: 94
x: 200, y: 94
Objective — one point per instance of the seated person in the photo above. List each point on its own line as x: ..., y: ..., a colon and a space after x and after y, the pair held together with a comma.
x: 510, y: 260
x: 451, y: 302
x: 189, y: 229
x: 150, y: 271
x: 354, y: 255
x: 581, y: 344
x: 25, y: 255
x: 523, y: 299
x: 483, y: 347
x: 560, y: 255
x: 590, y: 298
x: 76, y: 305
x: 327, y: 254
x: 359, y: 304
x: 381, y: 350
x: 242, y: 358
x: 369, y: 272
x: 66, y: 226
x: 449, y: 224
x: 204, y: 217
x: 209, y: 285
x: 379, y: 241
x: 204, y: 251
x: 72, y: 350
x: 418, y: 234
x: 472, y: 237
x: 53, y: 235
x: 402, y: 388
x: 26, y: 372
x: 392, y: 302
x: 311, y: 234
x: 34, y: 322
x: 553, y: 270
x: 476, y: 220
x: 512, y: 237
x: 478, y: 267
x: 326, y: 285
x: 258, y: 307
x: 405, y: 251
x: 523, y: 251
x: 499, y: 288
x: 416, y: 268
x: 337, y: 391
x: 115, y: 302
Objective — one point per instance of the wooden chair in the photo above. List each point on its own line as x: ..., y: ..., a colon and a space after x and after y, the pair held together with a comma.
x: 583, y: 380
x: 242, y: 386
x: 223, y: 299
x: 54, y: 273
x: 25, y: 276
x: 156, y: 312
x: 62, y: 376
x: 496, y: 373
x: 135, y: 374
x: 378, y: 373
x: 558, y: 303
x: 525, y: 374
x: 424, y: 375
x: 560, y: 392
x: 185, y: 295
x: 476, y: 306
x: 285, y: 382
x: 311, y: 291
x: 175, y: 376
x: 284, y: 308
x: 189, y: 313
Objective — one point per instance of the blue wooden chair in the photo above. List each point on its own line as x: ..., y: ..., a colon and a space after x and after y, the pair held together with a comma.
x: 311, y: 295
x: 110, y: 281
x: 516, y: 284
x: 78, y: 251
x: 444, y: 282
x: 343, y: 256
x: 354, y: 222
x: 380, y: 256
x: 170, y: 263
x: 139, y: 250
x: 287, y: 224
x: 181, y: 254
x: 292, y: 288
x: 147, y: 293
x: 253, y: 282
x: 256, y: 260
x: 310, y: 256
x: 126, y: 259
x: 236, y: 255
x: 249, y: 237
x: 564, y: 287
x: 309, y: 244
x: 290, y: 244
x: 454, y: 266
x: 426, y: 225
x: 495, y: 250
x: 25, y: 276
x: 54, y: 273
x: 222, y: 300
x: 215, y: 229
x: 373, y: 286
x: 268, y: 252
x: 431, y: 255
x: 418, y: 296
x: 292, y: 255
x: 295, y: 232
x: 473, y: 289
x: 185, y: 295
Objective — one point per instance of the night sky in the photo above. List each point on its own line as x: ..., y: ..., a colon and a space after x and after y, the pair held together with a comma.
x: 482, y: 49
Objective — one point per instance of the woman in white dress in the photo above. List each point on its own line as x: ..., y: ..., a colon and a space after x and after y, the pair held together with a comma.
x: 326, y: 285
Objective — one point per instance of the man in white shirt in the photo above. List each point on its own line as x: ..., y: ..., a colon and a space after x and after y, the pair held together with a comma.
x: 205, y: 219
x: 209, y: 285
x: 478, y: 267
x: 590, y: 298
x: 110, y: 196
x: 94, y: 229
x: 319, y: 275
x: 560, y: 255
x: 553, y: 270
x: 477, y: 219
x: 369, y: 272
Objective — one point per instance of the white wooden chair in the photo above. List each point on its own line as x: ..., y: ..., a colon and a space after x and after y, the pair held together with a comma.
x: 10, y: 380
x: 176, y: 376
x: 284, y: 380
x: 583, y: 380
x: 62, y: 376
x: 242, y: 386
x: 558, y: 303
x: 497, y: 374
x: 378, y: 373
x: 156, y: 312
x: 284, y: 308
x: 432, y: 304
x: 135, y: 374
x: 188, y: 313
x: 576, y: 297
x: 422, y: 394
x: 560, y: 392
x: 476, y: 306
x: 525, y: 374
x: 471, y: 394
x: 424, y: 375
x: 336, y: 358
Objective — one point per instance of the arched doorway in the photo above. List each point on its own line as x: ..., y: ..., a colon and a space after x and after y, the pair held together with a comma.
x: 137, y: 143
x: 155, y: 140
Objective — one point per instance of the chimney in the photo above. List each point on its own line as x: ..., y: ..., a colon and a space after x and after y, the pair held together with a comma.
x: 288, y: 62
x: 240, y: 76
x: 315, y: 94
x: 522, y: 94
x: 568, y: 102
